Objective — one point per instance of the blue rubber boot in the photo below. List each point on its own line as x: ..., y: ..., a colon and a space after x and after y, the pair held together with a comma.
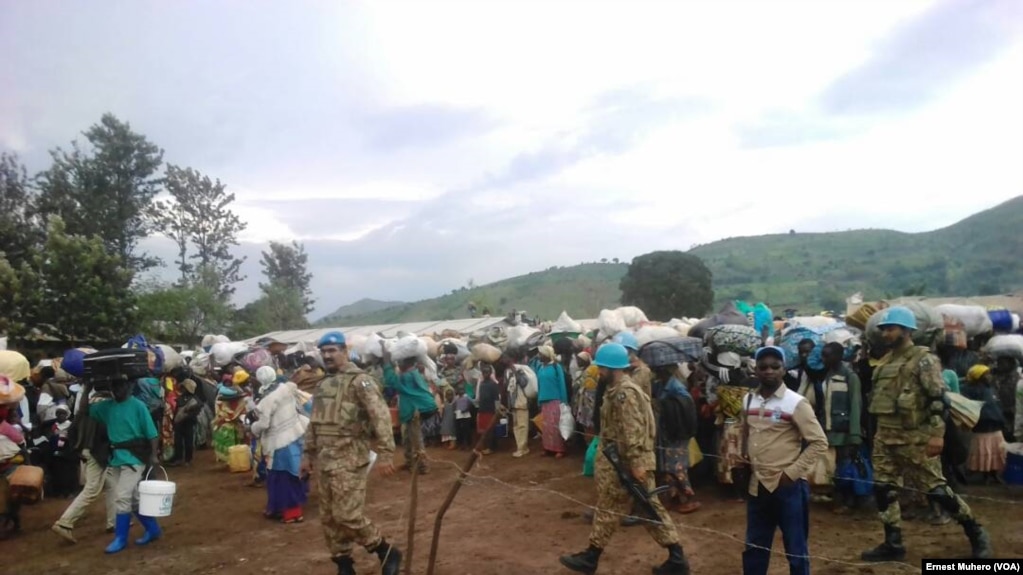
x: 153, y: 531
x: 121, y: 527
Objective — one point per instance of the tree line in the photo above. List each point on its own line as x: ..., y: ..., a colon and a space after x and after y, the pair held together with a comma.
x: 71, y: 262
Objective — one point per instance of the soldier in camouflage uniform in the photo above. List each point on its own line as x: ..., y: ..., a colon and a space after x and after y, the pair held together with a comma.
x: 907, y: 403
x: 349, y: 418
x: 626, y: 420
x: 449, y: 371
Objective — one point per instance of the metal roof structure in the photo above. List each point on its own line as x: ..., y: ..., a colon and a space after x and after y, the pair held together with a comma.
x: 462, y: 326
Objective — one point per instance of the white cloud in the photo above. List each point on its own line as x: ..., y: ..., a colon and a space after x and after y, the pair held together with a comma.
x: 431, y: 140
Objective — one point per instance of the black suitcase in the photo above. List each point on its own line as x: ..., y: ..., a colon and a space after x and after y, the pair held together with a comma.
x: 117, y: 363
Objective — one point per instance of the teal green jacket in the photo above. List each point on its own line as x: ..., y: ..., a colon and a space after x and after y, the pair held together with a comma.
x: 413, y: 392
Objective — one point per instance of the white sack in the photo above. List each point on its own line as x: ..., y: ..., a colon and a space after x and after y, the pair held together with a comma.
x: 648, y: 333
x: 566, y: 323
x: 611, y: 322
x: 408, y: 346
x: 811, y: 321
x: 171, y: 358
x: 566, y: 424
x: 974, y: 317
x: 223, y: 352
x: 1005, y: 345
x: 486, y: 352
x: 632, y: 316
x: 532, y: 385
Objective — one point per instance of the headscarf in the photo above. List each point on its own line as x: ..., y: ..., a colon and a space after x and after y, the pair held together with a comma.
x: 189, y: 385
x: 546, y: 352
x: 267, y: 377
x: 240, y: 377
x: 977, y: 372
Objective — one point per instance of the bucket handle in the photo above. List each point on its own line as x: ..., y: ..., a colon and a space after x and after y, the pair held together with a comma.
x: 165, y: 476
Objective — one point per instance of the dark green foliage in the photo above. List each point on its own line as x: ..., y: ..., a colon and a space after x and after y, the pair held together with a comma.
x: 668, y: 284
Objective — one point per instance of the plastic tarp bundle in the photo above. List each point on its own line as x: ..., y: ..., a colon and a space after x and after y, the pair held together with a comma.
x: 73, y: 363
x: 566, y: 423
x: 200, y: 363
x: 965, y: 412
x: 256, y: 359
x: 728, y: 315
x: 975, y: 319
x: 631, y: 315
x: 671, y: 351
x: 431, y: 346
x: 762, y: 317
x: 224, y: 353
x: 740, y: 339
x: 1010, y: 345
x: 929, y: 324
x: 155, y: 353
x: 408, y: 346
x: 566, y: 324
x: 518, y: 335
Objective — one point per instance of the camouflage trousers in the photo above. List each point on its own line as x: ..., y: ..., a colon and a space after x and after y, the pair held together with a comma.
x: 342, y: 512
x: 614, y: 502
x: 907, y: 465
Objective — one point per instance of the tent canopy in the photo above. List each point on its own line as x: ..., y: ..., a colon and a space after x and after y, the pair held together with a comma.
x: 311, y: 336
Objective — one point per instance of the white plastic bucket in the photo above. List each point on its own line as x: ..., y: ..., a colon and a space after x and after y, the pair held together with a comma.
x: 156, y: 498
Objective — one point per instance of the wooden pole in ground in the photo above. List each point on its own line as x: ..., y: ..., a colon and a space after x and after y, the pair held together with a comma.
x: 415, y: 430
x: 462, y: 473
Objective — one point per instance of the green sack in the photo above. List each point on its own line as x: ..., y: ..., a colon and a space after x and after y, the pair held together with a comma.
x: 591, y: 457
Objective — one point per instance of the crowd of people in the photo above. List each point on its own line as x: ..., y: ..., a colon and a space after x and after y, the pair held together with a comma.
x: 847, y: 430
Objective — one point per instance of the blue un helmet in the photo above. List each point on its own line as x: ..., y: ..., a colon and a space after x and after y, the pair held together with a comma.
x: 332, y: 338
x: 897, y: 315
x: 627, y: 340
x: 612, y: 356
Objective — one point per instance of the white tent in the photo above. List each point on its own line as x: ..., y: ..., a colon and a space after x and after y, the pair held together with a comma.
x: 311, y: 336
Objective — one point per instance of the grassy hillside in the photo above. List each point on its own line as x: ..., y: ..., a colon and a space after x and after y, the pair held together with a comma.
x: 361, y: 307
x: 976, y: 256
x: 582, y: 290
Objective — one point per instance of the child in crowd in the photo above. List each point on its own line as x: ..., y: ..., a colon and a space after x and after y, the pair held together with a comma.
x: 64, y: 461
x: 463, y: 421
x: 448, y: 432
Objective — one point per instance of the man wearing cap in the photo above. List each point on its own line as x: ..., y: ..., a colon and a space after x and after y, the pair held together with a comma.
x: 627, y: 421
x: 776, y: 422
x: 907, y: 403
x: 349, y: 418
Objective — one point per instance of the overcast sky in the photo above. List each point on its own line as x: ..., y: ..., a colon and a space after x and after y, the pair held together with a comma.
x: 415, y: 145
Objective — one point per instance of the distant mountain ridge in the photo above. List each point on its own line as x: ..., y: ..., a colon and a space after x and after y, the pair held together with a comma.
x: 361, y: 307
x: 810, y: 272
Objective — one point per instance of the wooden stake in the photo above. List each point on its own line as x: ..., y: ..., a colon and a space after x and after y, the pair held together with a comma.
x: 463, y: 472
x: 415, y: 436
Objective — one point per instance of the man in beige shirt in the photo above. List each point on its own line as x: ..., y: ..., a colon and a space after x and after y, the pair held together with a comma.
x: 778, y: 421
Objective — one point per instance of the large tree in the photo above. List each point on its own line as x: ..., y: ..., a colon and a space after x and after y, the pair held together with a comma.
x: 198, y: 218
x: 106, y: 189
x: 285, y: 267
x: 181, y: 314
x: 667, y: 284
x: 84, y: 293
x: 20, y: 232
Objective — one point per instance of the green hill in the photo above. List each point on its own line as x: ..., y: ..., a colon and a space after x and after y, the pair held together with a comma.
x: 807, y: 271
x: 582, y: 290
x: 361, y: 307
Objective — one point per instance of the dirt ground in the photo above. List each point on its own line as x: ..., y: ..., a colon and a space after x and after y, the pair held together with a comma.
x: 515, y: 526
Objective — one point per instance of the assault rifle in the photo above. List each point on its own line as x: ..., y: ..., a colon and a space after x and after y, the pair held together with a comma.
x: 634, y: 488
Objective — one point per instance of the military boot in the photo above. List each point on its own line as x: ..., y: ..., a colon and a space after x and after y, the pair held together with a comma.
x: 585, y: 562
x: 390, y: 558
x: 676, y: 563
x: 891, y: 550
x: 980, y: 542
x: 345, y: 565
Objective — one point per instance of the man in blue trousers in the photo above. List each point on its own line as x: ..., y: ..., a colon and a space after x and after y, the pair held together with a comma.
x: 776, y: 423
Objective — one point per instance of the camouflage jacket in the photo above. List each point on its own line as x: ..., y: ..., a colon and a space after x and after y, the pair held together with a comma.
x: 627, y: 419
x: 907, y: 396
x: 349, y: 418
